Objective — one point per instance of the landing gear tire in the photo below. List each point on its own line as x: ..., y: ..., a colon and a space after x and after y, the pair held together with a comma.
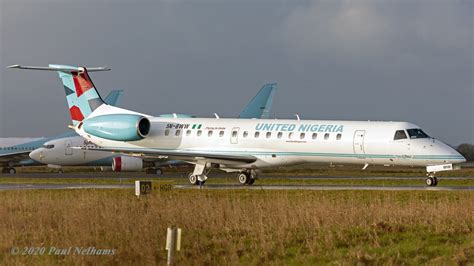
x: 193, y: 179
x: 159, y: 171
x: 243, y: 178
x: 12, y: 171
x: 431, y: 181
x: 246, y: 178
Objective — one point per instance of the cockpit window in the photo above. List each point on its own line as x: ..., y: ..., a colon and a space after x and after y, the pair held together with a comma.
x: 400, y: 134
x: 416, y: 133
x: 49, y: 146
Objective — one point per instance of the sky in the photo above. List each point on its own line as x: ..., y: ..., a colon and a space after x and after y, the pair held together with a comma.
x: 346, y: 60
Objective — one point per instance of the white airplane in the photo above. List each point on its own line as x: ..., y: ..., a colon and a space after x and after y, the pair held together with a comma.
x: 58, y: 152
x: 247, y: 145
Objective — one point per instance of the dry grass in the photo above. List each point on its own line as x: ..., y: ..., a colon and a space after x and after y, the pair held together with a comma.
x: 243, y: 227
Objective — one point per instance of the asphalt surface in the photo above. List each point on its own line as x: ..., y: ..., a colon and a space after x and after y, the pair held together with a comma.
x: 61, y: 186
x: 4, y: 187
x: 140, y: 175
x: 210, y: 186
x: 323, y: 187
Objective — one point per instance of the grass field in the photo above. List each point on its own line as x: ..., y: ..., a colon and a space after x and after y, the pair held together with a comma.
x: 242, y: 227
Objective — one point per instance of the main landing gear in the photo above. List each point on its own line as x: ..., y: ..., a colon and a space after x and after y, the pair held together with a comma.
x: 199, y: 175
x: 9, y: 170
x: 154, y: 171
x: 431, y: 180
x: 247, y: 177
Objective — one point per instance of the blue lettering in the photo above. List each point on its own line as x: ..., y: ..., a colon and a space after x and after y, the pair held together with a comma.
x: 258, y: 127
x: 303, y: 128
x: 291, y: 127
x: 314, y: 128
x: 322, y: 128
x: 329, y: 128
x: 277, y: 127
x: 266, y: 127
x: 340, y: 128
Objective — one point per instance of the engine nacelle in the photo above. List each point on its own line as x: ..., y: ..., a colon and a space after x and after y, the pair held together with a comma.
x: 127, y: 164
x: 120, y: 127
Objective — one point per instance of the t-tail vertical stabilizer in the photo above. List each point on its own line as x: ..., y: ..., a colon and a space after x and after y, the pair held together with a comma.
x: 261, y: 104
x: 83, y: 99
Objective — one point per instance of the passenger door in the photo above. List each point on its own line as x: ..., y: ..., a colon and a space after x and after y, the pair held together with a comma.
x: 234, y: 134
x: 68, y: 147
x: 359, y: 143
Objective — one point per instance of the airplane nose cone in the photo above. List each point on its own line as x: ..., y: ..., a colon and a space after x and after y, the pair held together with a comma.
x: 36, y: 155
x: 461, y: 159
x: 453, y: 154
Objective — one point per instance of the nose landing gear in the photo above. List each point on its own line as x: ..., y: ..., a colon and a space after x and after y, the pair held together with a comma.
x: 197, y: 180
x: 431, y: 180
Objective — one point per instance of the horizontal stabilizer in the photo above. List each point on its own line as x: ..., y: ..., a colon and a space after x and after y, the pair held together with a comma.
x: 61, y: 68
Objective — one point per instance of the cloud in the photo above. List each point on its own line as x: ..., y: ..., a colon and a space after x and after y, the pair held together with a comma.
x: 335, y: 26
x: 377, y: 28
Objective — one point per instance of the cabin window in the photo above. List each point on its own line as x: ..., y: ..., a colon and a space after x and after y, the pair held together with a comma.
x: 416, y: 133
x: 302, y: 136
x: 188, y: 132
x: 326, y: 136
x: 167, y: 132
x: 246, y: 133
x: 339, y: 136
x: 290, y: 135
x: 199, y: 133
x: 209, y: 133
x: 279, y: 135
x: 257, y: 134
x: 269, y: 134
x: 400, y: 134
x: 221, y: 133
x: 315, y: 135
x: 177, y: 133
x: 234, y: 134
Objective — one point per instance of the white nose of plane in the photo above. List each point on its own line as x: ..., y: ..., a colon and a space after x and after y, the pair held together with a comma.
x: 37, y: 155
x: 450, y: 154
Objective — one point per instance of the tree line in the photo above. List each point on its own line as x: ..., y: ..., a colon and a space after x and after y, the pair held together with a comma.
x: 466, y: 150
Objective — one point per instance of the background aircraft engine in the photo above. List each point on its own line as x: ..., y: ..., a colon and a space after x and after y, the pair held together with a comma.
x: 127, y: 164
x: 120, y: 127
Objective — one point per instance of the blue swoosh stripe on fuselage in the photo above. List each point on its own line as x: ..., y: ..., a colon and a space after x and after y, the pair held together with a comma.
x: 346, y: 155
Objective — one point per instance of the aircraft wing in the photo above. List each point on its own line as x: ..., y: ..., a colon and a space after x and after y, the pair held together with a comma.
x: 14, y: 156
x: 189, y: 156
x: 114, y: 97
x: 261, y: 104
